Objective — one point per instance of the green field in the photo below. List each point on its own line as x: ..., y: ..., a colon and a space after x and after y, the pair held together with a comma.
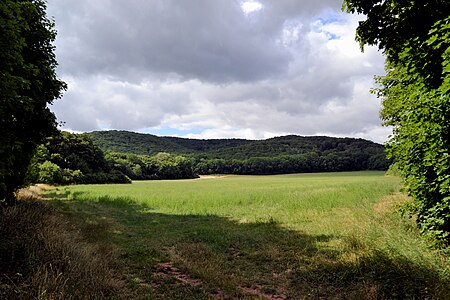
x: 305, y: 236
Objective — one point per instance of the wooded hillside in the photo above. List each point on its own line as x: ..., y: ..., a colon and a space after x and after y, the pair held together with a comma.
x: 287, y: 154
x: 148, y: 144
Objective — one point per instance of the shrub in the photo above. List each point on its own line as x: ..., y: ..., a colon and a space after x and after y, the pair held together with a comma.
x: 49, y: 173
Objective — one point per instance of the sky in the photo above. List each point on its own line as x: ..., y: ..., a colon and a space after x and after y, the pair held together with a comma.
x: 215, y: 68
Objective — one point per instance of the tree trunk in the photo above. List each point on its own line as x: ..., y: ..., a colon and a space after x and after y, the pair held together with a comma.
x: 10, y: 199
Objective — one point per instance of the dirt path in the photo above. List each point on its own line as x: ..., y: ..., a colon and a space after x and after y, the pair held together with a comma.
x: 211, y: 176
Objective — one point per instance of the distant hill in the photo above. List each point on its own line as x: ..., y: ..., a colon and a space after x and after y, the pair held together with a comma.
x: 286, y: 154
x: 148, y: 144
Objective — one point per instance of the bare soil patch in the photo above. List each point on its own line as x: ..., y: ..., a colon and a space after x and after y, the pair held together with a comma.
x: 211, y: 176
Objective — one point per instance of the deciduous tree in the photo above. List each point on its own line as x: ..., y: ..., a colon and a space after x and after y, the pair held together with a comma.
x: 28, y: 83
x: 415, y: 37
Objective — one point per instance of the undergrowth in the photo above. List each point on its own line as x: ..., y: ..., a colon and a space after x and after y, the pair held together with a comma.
x: 46, y: 255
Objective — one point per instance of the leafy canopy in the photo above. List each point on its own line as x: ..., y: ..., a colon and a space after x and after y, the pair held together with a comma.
x: 415, y: 93
x: 28, y: 83
x: 287, y: 154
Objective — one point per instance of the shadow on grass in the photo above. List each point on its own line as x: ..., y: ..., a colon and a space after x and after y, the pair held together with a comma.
x: 46, y: 255
x: 206, y: 256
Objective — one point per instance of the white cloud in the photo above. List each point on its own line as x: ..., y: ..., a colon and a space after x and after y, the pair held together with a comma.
x: 251, y: 6
x: 206, y: 70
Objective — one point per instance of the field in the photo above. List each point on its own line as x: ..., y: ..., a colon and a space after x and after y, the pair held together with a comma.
x: 305, y: 236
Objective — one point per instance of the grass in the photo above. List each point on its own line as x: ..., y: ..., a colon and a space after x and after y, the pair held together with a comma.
x: 46, y: 255
x: 288, y: 199
x: 306, y: 236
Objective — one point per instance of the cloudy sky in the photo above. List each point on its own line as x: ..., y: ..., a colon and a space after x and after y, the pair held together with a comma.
x: 215, y: 68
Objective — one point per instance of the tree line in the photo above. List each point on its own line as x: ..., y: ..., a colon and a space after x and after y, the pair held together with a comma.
x: 68, y: 158
x: 300, y: 163
x: 279, y: 155
x: 148, y: 144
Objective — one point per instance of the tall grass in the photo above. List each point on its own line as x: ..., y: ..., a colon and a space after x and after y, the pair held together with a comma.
x: 46, y: 255
x: 277, y: 237
x: 284, y: 198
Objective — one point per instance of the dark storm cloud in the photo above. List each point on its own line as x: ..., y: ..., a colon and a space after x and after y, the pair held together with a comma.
x: 206, y: 39
x: 207, y: 66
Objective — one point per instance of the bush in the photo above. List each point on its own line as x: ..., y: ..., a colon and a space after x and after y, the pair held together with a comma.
x: 49, y: 173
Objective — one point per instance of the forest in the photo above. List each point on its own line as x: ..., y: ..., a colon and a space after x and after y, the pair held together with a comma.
x: 68, y: 158
x: 117, y: 157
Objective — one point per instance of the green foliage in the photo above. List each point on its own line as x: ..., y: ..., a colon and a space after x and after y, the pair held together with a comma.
x: 393, y: 24
x: 393, y: 170
x: 147, y: 144
x: 300, y: 163
x: 72, y: 176
x: 130, y: 142
x: 420, y: 115
x: 49, y: 172
x: 160, y: 166
x: 416, y: 99
x: 68, y: 158
x: 28, y: 83
x: 288, y: 154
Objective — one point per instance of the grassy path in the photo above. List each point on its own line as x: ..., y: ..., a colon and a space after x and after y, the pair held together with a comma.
x: 308, y: 236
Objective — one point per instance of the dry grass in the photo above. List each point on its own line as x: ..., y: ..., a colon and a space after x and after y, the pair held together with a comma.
x: 46, y: 255
x: 33, y: 192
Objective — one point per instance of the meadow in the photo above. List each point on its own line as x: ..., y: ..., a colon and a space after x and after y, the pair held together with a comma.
x: 300, y: 236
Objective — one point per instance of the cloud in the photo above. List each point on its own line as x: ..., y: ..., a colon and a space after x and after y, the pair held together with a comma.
x: 213, y: 68
x: 251, y: 6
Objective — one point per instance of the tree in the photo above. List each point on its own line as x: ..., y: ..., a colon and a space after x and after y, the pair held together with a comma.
x: 68, y: 158
x: 415, y: 92
x: 49, y: 172
x: 28, y: 83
